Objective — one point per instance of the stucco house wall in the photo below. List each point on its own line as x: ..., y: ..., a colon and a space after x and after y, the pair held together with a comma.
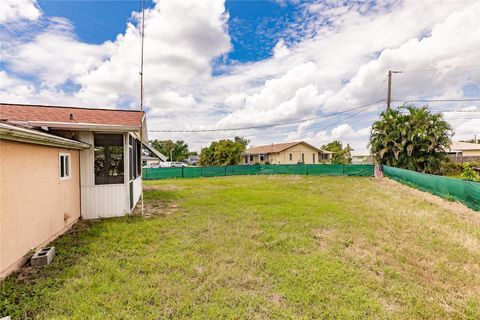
x: 310, y: 156
x: 296, y: 152
x: 471, y: 153
x: 36, y: 206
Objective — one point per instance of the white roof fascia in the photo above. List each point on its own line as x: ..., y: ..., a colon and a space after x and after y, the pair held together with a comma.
x: 9, y: 132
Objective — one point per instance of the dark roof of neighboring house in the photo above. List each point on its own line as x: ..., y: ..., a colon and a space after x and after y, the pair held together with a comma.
x: 279, y: 147
x: 39, y: 113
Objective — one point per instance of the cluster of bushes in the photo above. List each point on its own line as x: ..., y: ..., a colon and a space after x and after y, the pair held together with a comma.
x: 451, y: 168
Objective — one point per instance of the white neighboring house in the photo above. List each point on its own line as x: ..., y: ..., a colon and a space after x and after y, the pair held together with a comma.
x: 465, y: 149
x: 361, y: 157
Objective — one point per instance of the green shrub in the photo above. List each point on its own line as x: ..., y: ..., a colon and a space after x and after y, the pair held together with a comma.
x: 451, y: 168
x: 470, y: 174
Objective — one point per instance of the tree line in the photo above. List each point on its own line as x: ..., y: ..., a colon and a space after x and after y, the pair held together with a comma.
x: 408, y: 137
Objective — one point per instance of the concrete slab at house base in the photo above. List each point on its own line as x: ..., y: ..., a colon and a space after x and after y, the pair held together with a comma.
x: 43, y: 257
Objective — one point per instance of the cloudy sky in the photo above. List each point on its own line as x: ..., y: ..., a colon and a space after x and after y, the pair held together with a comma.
x: 215, y: 64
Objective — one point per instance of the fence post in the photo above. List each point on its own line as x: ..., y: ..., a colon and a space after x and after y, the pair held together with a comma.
x: 226, y: 171
x: 182, y: 171
x: 343, y: 169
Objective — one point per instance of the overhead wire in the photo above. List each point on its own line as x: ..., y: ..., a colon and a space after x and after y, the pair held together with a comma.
x: 269, y: 125
x: 443, y: 68
x: 334, y: 123
x: 437, y: 100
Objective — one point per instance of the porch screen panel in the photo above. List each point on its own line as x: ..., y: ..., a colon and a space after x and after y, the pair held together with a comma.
x: 108, y: 158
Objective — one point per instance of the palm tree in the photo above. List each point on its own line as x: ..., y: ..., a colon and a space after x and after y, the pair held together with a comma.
x: 415, y: 141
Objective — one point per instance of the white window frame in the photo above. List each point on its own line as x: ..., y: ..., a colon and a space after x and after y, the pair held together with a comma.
x: 67, y: 166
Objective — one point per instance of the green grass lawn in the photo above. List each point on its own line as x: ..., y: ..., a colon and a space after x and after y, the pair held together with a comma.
x: 262, y: 247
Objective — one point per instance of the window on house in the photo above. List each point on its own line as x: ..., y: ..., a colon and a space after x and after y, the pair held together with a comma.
x: 303, y: 157
x: 108, y: 158
x: 313, y: 157
x: 290, y: 157
x: 251, y: 158
x: 134, y: 152
x: 64, y: 166
x: 262, y: 157
x: 139, y: 158
x: 131, y: 163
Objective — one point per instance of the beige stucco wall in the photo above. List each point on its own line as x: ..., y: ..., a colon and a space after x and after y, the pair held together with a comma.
x: 284, y: 156
x: 33, y: 199
x: 296, y: 152
x: 471, y: 153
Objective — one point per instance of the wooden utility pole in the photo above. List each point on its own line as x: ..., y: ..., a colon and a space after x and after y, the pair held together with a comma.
x: 389, y: 90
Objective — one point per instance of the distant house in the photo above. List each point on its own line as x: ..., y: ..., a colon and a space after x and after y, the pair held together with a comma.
x: 361, y: 157
x: 464, y: 151
x: 58, y: 164
x: 148, y: 161
x: 193, y: 160
x: 285, y: 153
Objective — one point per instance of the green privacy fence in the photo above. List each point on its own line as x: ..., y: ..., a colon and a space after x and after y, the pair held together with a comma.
x: 467, y: 192
x: 362, y: 170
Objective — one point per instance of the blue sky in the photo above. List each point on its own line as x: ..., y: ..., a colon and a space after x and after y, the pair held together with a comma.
x: 254, y: 26
x: 219, y: 64
x: 95, y: 21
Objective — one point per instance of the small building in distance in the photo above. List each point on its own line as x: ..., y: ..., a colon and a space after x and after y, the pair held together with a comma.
x: 149, y: 161
x: 286, y: 153
x: 464, y: 151
x: 361, y: 157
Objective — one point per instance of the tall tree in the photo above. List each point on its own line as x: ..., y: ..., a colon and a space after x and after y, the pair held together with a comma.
x: 341, y: 155
x: 416, y: 140
x: 174, y: 151
x: 223, y: 152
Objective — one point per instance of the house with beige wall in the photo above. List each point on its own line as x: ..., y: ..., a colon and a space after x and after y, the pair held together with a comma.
x: 74, y: 163
x: 285, y: 153
x: 464, y: 151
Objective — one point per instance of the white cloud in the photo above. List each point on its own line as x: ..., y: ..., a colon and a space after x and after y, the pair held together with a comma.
x: 55, y: 56
x: 11, y: 10
x: 339, y: 62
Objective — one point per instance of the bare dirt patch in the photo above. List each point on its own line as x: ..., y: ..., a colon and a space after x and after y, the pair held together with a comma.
x: 155, y: 208
x: 288, y: 177
x: 166, y: 187
x: 323, y: 237
x: 456, y: 207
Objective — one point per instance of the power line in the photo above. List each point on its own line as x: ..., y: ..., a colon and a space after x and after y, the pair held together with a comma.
x: 437, y: 100
x: 263, y: 134
x: 436, y: 69
x: 334, y: 123
x: 450, y: 111
x: 270, y: 125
